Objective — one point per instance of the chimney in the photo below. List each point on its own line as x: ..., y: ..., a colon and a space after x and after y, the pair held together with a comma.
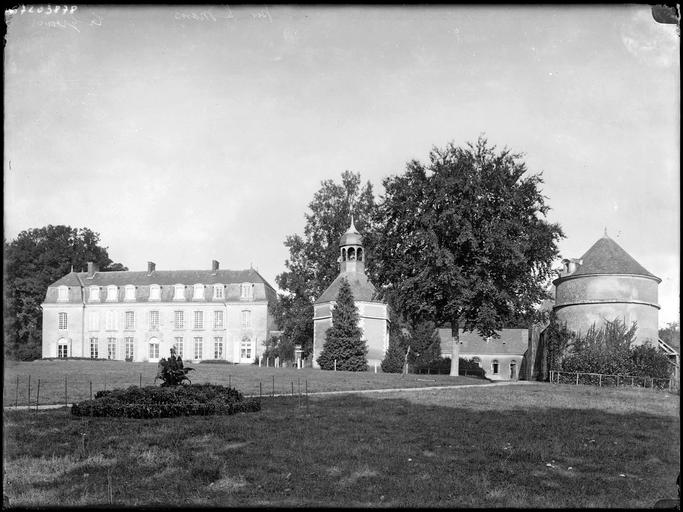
x: 214, y: 266
x: 150, y: 267
x: 92, y: 268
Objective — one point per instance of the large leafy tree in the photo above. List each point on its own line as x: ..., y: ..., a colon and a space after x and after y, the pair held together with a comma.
x: 34, y: 260
x: 464, y: 240
x: 313, y: 257
x: 344, y: 347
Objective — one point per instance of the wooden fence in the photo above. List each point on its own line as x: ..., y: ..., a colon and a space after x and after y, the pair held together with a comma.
x: 599, y: 379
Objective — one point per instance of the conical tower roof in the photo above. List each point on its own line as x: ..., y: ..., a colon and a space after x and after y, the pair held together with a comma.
x: 607, y: 257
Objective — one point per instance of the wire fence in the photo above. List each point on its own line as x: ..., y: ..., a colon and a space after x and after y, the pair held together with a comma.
x: 603, y: 380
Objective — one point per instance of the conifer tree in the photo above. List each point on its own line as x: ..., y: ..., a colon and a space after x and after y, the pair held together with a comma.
x: 343, y: 342
x: 394, y: 359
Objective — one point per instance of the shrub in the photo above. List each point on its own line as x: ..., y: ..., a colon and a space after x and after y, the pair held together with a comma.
x: 164, y: 402
x: 171, y: 371
x: 646, y: 360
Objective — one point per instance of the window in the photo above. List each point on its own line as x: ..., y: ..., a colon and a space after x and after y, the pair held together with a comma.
x: 246, y: 319
x: 62, y: 348
x: 94, y: 348
x: 153, y: 320
x: 245, y: 349
x: 94, y: 294
x: 218, y: 347
x: 130, y: 320
x: 179, y: 346
x: 179, y: 319
x: 62, y: 321
x: 217, y: 319
x: 63, y: 294
x: 198, y: 319
x: 111, y: 348
x: 179, y: 292
x: 130, y: 347
x: 198, y: 293
x: 218, y: 291
x: 130, y: 292
x: 198, y: 347
x: 494, y: 366
x: 154, y: 292
x: 94, y: 321
x: 110, y: 321
x: 153, y: 349
x: 245, y: 291
x: 111, y: 293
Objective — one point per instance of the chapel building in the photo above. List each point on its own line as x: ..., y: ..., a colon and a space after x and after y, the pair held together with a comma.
x: 140, y: 316
x: 373, y: 313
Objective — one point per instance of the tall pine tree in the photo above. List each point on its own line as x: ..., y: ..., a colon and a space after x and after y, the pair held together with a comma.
x: 343, y: 342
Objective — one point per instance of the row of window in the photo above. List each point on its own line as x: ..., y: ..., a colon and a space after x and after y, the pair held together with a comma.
x: 153, y: 320
x: 495, y: 366
x: 246, y: 292
x: 197, y: 349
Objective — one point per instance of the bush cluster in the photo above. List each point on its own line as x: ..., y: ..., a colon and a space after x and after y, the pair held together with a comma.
x: 165, y: 402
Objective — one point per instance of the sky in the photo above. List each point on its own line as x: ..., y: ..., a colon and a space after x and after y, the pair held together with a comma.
x: 184, y: 134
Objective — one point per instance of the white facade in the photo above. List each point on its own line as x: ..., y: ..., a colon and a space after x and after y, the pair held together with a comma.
x: 142, y: 322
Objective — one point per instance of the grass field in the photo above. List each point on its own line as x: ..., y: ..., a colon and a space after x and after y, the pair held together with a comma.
x: 533, y: 445
x: 249, y: 379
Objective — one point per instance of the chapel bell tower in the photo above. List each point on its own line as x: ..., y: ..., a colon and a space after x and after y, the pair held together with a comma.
x: 352, y: 257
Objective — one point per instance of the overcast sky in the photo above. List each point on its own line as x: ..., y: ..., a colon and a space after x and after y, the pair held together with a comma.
x: 186, y: 134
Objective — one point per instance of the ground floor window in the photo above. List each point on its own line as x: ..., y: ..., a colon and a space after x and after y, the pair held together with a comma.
x: 62, y: 348
x: 111, y: 348
x: 245, y: 349
x: 153, y: 350
x: 179, y: 347
x: 130, y: 348
x: 218, y: 347
x: 494, y: 366
x: 198, y: 347
x: 94, y: 349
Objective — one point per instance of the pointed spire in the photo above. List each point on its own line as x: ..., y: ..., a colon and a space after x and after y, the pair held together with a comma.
x: 72, y: 268
x: 605, y: 235
x: 353, y: 227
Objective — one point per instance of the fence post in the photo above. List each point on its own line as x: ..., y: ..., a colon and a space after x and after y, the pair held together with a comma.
x: 577, y: 378
x: 66, y: 392
x: 105, y: 381
x: 292, y: 388
x: 37, y: 394
x: 273, y: 393
x: 90, y: 390
x: 260, y: 392
x: 29, y: 391
x: 16, y: 398
x: 600, y: 380
x: 335, y: 365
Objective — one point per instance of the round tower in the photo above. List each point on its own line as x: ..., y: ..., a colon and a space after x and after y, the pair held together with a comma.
x: 606, y: 283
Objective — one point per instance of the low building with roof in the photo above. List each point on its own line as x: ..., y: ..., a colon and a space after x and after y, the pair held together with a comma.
x: 140, y: 316
x: 607, y: 283
x: 373, y: 313
x: 500, y: 358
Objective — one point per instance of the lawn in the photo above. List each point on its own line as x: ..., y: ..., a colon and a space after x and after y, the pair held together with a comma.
x: 250, y: 379
x: 533, y: 445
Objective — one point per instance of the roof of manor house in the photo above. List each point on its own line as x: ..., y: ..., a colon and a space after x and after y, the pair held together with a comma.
x: 607, y: 257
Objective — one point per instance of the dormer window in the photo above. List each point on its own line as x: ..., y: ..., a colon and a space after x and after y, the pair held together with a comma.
x: 94, y: 293
x: 246, y: 290
x: 112, y: 291
x: 218, y: 291
x: 198, y: 293
x: 63, y: 294
x: 155, y: 292
x: 179, y: 292
x: 130, y: 292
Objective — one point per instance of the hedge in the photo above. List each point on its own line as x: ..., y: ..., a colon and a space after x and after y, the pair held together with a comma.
x: 166, y: 402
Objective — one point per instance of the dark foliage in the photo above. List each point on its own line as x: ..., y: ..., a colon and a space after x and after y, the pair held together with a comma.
x: 394, y: 359
x: 343, y: 342
x: 164, y: 402
x: 171, y: 371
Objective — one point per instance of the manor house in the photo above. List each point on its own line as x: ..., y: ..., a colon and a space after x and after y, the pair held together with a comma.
x: 139, y: 316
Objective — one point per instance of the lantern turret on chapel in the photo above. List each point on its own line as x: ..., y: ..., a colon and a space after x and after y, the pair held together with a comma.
x: 352, y: 255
